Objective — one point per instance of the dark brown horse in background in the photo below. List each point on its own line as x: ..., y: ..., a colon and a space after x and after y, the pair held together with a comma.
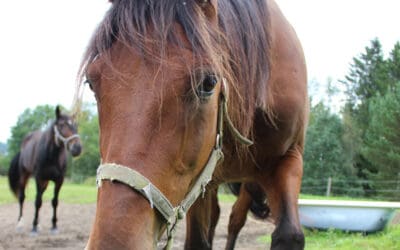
x: 176, y: 80
x: 43, y: 155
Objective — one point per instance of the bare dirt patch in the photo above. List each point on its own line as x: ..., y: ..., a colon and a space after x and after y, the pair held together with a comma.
x: 75, y: 222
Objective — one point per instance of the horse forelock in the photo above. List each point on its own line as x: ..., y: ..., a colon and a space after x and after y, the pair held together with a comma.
x: 238, y: 49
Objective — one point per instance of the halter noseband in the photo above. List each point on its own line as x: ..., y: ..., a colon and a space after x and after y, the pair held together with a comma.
x: 59, y: 137
x: 135, y: 180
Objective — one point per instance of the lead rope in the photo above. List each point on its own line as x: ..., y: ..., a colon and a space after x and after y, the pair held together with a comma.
x: 171, y: 228
x: 235, y: 132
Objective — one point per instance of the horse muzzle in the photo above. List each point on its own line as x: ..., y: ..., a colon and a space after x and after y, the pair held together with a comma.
x: 75, y: 149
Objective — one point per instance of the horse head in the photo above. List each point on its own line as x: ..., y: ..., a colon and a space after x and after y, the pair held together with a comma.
x: 157, y: 76
x: 66, y: 134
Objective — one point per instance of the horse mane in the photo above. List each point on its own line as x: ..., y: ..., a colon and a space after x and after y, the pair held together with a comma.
x: 48, y: 149
x: 49, y: 133
x: 238, y: 49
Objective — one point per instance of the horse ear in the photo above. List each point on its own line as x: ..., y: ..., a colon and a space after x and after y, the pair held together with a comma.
x: 58, y: 112
x: 210, y: 8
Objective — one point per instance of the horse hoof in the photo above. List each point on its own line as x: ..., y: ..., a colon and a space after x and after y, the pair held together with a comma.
x: 20, y: 226
x: 19, y: 229
x: 34, y: 233
x: 54, y: 231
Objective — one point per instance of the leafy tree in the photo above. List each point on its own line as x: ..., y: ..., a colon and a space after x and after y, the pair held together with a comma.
x: 3, y: 159
x: 3, y: 148
x: 325, y: 154
x: 352, y: 140
x: 86, y: 164
x: 381, y: 147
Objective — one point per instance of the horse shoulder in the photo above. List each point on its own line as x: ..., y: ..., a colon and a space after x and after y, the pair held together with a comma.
x: 287, y: 98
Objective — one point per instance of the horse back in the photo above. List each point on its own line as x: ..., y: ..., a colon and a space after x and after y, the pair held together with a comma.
x: 29, y: 150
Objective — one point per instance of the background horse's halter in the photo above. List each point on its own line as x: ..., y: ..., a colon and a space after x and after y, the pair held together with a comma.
x: 172, y: 215
x: 59, y: 137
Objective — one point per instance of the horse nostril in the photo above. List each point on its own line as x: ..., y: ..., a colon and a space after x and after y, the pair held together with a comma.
x: 76, y: 149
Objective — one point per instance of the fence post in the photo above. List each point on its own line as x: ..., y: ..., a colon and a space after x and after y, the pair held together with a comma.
x: 328, y: 187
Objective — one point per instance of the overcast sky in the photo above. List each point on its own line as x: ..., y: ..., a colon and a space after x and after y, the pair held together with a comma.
x: 42, y: 42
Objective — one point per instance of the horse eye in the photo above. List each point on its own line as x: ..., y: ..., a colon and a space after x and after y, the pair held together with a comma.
x: 207, y: 85
x: 88, y: 82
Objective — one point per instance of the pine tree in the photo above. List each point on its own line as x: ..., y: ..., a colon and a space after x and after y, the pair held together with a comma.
x: 370, y: 77
x: 381, y: 146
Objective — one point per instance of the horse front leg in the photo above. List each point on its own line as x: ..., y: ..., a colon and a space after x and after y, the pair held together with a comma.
x: 214, y: 217
x: 238, y: 216
x: 283, y: 188
x: 54, y: 203
x: 199, y: 226
x: 40, y: 188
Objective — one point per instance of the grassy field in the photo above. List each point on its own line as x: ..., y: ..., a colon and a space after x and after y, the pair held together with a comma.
x: 86, y: 193
x: 70, y: 193
x: 389, y: 239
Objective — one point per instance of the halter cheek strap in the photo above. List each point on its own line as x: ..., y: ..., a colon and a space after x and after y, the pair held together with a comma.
x: 156, y: 198
x: 59, y: 137
x: 171, y: 214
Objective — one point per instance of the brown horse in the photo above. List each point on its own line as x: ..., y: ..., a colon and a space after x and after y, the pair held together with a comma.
x: 43, y: 155
x: 176, y: 81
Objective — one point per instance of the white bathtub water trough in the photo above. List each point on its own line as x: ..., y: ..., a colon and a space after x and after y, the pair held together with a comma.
x: 346, y: 215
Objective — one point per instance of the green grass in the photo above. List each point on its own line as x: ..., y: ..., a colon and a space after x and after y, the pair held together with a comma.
x: 389, y: 239
x: 320, y: 197
x: 70, y: 192
x: 86, y: 193
x: 226, y: 198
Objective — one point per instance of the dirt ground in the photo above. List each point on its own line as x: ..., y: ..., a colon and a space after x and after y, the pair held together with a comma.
x: 75, y: 222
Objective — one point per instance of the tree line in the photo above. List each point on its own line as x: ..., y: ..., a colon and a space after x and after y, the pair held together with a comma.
x: 358, y: 147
